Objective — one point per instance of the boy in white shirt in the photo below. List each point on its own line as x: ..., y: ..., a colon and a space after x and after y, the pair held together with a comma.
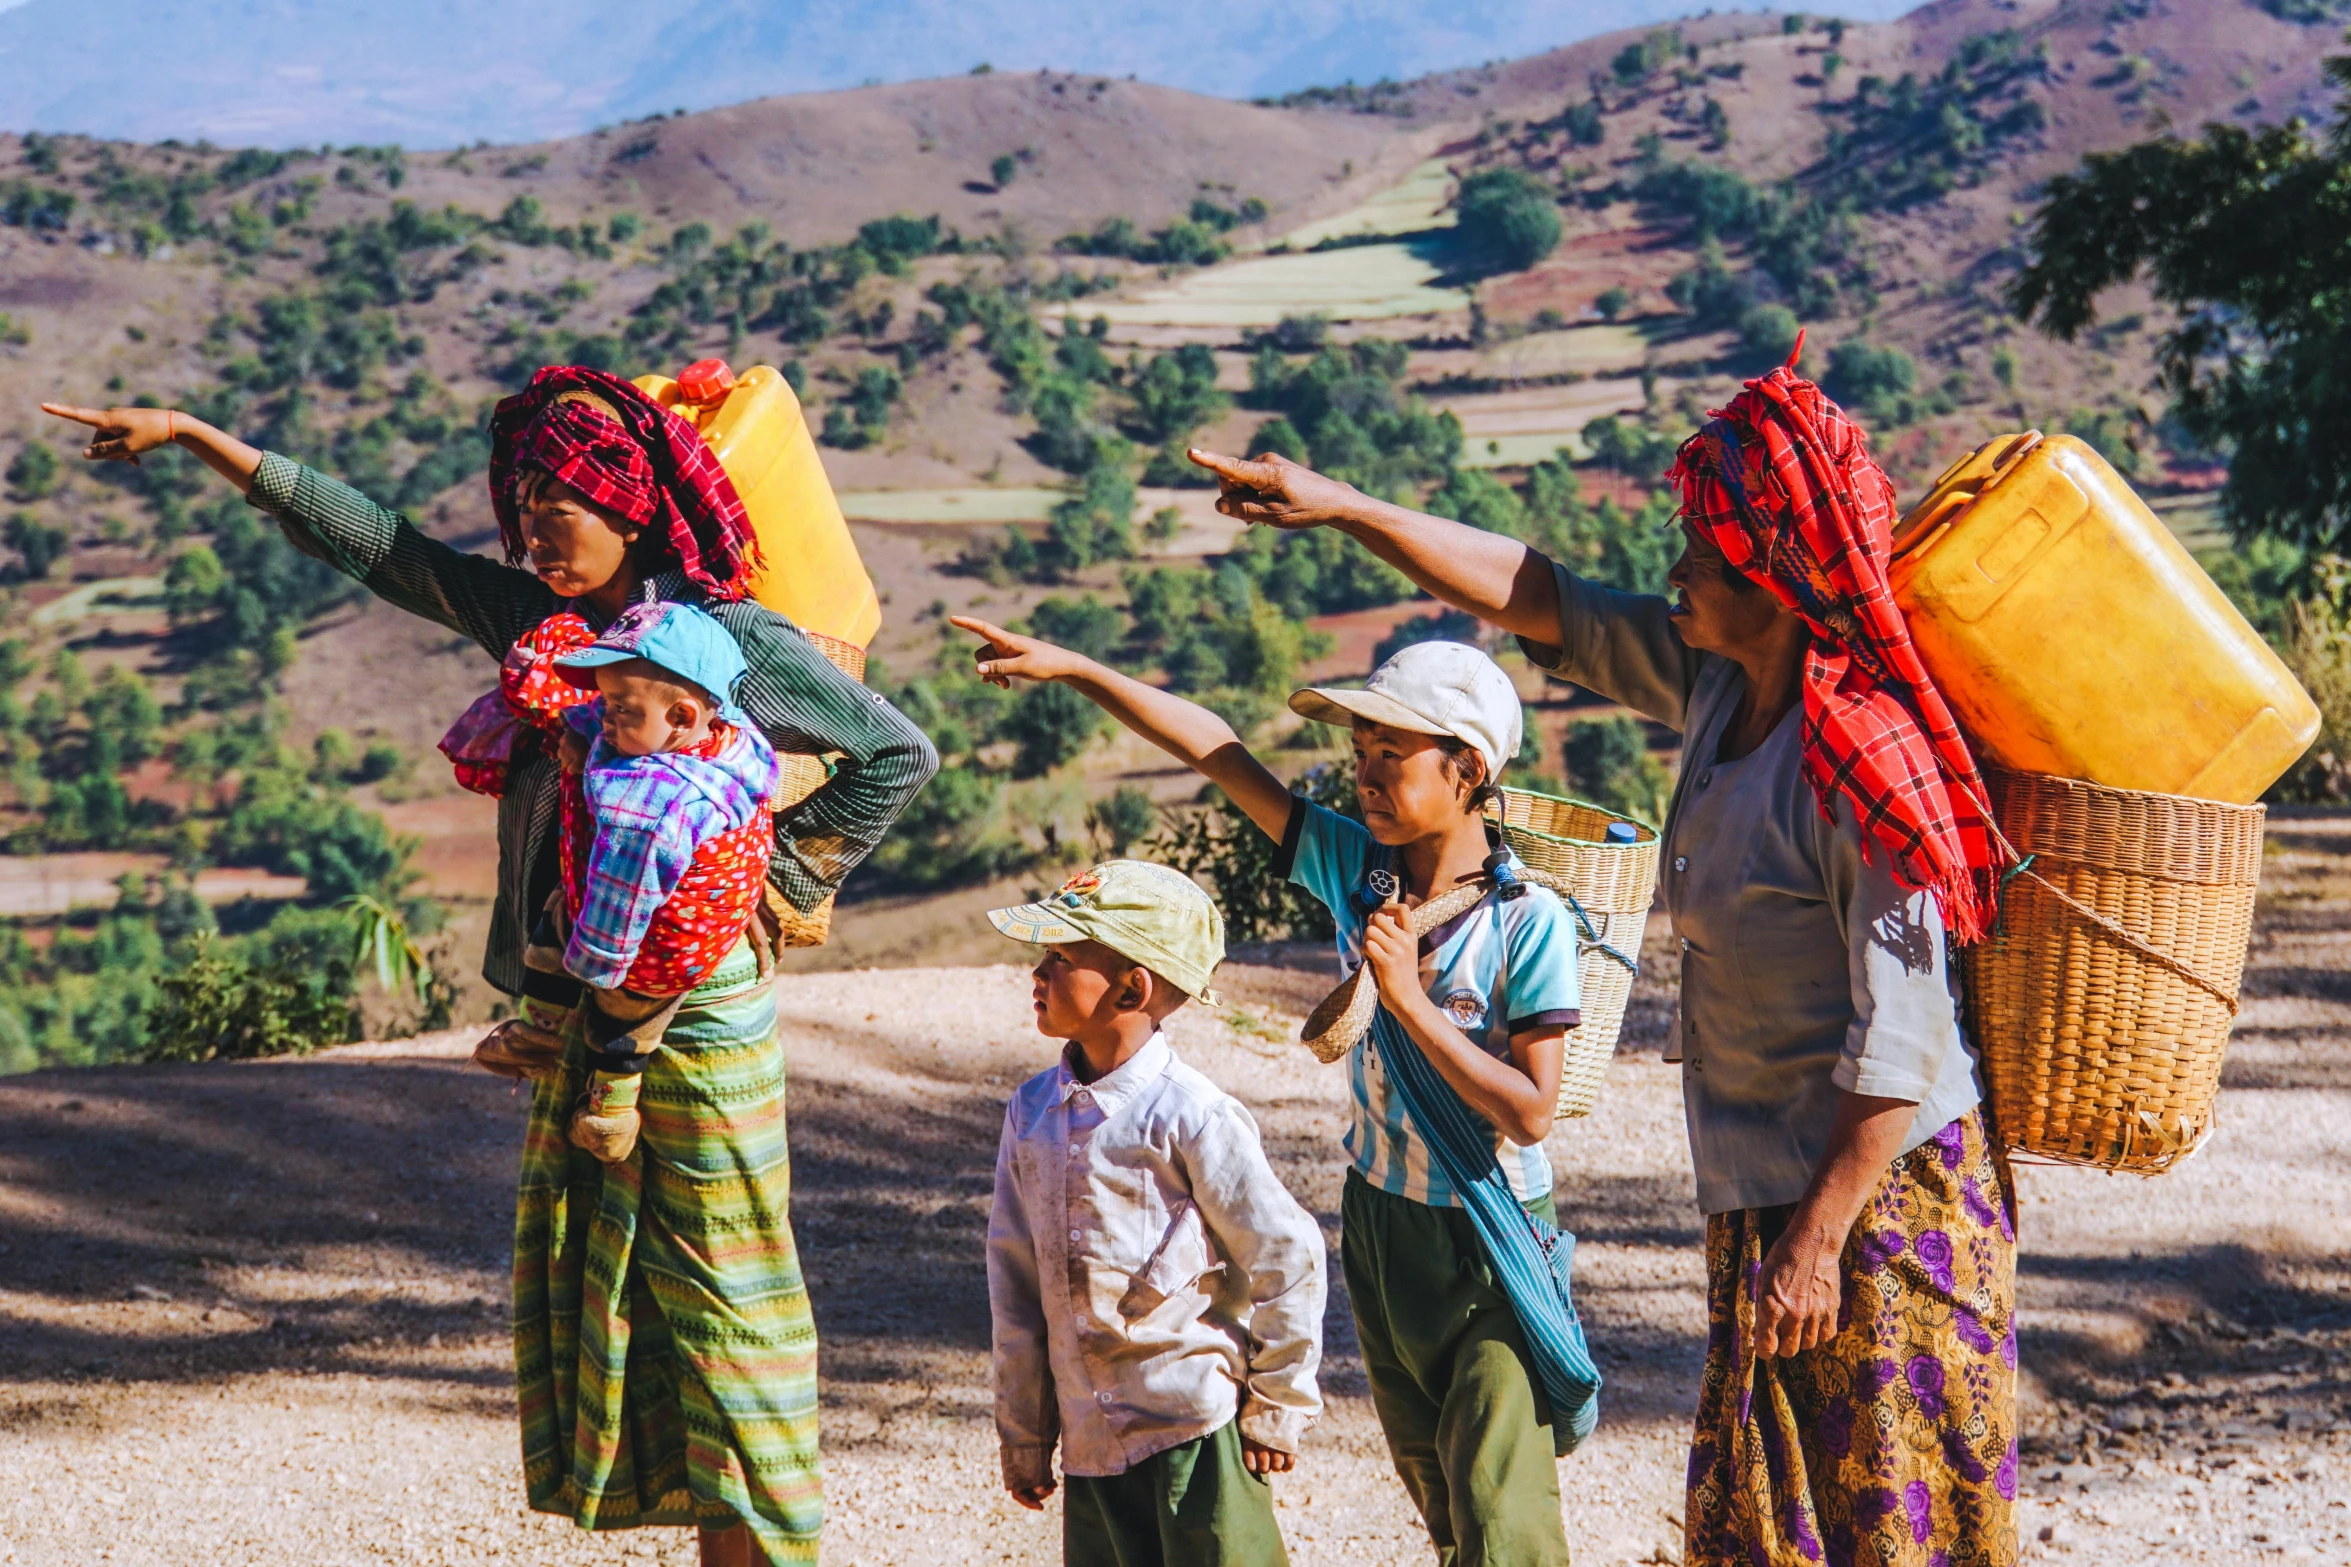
x: 1157, y: 1294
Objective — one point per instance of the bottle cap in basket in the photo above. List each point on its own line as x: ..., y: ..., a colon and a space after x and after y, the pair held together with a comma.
x: 1431, y: 688
x: 706, y: 381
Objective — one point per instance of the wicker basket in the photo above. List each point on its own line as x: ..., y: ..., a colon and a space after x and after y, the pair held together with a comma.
x: 1612, y: 884
x: 803, y: 776
x: 2103, y: 1001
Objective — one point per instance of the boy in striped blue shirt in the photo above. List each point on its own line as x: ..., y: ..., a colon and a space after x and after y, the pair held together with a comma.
x: 1487, y: 999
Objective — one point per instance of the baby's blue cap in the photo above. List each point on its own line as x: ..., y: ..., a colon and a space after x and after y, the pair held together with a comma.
x: 680, y: 639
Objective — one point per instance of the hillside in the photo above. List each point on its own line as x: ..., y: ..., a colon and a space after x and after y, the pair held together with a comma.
x: 443, y: 73
x: 1010, y: 299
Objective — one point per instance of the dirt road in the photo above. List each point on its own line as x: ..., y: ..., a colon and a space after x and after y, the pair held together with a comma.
x: 255, y: 1314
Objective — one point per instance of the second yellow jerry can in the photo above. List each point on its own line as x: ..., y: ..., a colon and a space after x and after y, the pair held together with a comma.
x: 2073, y: 635
x: 812, y: 575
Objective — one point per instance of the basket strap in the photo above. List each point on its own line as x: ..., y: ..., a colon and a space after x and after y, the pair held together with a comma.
x: 1339, y: 1024
x: 2152, y: 954
x: 1584, y: 926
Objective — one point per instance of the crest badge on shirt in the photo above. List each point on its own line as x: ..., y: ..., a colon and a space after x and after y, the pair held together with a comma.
x: 1466, y: 1008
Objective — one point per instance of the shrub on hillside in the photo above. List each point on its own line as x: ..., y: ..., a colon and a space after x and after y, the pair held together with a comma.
x: 37, y: 544
x: 1767, y: 334
x: 1505, y: 215
x: 1219, y: 845
x: 221, y: 1008
x: 1049, y: 724
x: 1608, y: 763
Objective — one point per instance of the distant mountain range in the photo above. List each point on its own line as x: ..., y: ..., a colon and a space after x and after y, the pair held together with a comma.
x: 441, y: 73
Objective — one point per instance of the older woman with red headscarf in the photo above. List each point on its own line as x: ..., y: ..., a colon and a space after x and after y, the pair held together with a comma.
x: 665, y: 1357
x: 1825, y: 847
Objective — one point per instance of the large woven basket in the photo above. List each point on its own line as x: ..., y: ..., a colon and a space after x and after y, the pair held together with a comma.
x: 802, y: 776
x: 1612, y: 885
x: 2104, y: 999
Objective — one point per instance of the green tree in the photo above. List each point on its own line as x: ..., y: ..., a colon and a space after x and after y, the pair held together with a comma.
x: 1867, y: 377
x: 1767, y: 334
x: 1002, y: 168
x: 1050, y: 724
x: 2245, y: 235
x: 1627, y: 447
x: 1120, y: 819
x: 1083, y: 625
x: 1222, y: 847
x: 1608, y: 763
x: 1095, y: 521
x: 220, y: 1008
x: 1506, y: 215
x: 953, y: 833
x: 37, y: 543
x: 123, y: 716
x: 1176, y: 393
x: 35, y: 472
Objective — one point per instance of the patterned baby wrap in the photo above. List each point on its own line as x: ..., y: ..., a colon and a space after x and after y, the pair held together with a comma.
x: 712, y: 904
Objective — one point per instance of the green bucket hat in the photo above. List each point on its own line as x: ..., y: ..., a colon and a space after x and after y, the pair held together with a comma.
x: 1153, y: 914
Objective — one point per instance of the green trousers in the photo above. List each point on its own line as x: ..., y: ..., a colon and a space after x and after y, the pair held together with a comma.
x: 1452, y: 1380
x: 1194, y: 1505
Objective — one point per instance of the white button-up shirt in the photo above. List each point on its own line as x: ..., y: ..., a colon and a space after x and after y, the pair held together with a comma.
x: 1148, y: 1274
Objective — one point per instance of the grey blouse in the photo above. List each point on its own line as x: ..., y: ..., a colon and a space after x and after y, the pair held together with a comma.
x: 1807, y: 969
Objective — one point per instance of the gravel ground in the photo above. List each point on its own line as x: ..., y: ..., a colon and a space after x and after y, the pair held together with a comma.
x: 254, y: 1314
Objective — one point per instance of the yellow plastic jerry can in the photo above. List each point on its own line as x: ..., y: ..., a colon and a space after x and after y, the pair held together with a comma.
x: 813, y: 576
x: 2073, y: 635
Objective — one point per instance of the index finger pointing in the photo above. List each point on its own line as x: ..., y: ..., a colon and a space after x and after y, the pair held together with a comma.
x: 95, y: 418
x: 1236, y: 470
x: 977, y: 627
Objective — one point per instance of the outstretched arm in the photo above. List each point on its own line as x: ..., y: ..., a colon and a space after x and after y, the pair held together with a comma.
x: 122, y: 434
x: 1495, y: 578
x: 471, y: 594
x: 1184, y: 730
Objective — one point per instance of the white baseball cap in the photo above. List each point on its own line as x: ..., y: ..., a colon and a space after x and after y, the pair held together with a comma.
x: 1431, y: 688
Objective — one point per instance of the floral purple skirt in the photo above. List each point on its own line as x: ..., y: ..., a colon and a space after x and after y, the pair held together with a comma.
x: 1894, y: 1443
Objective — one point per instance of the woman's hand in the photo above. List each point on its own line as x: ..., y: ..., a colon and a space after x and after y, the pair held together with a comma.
x: 1798, y: 1292
x: 1005, y: 657
x: 122, y: 433
x: 1260, y: 1459
x: 1393, y: 953
x: 1274, y: 490
x: 1800, y: 1288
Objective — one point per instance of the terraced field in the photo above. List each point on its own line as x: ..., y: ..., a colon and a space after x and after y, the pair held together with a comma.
x: 1415, y: 204
x: 1365, y: 283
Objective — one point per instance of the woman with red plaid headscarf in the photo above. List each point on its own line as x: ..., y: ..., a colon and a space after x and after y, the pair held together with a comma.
x: 661, y: 1381
x: 1825, y: 848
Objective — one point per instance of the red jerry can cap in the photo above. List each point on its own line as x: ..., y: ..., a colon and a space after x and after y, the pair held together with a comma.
x: 705, y: 381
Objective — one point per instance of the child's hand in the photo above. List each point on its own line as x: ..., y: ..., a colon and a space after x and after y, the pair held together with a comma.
x: 1263, y: 1460
x: 1032, y: 1497
x: 1006, y: 656
x: 1393, y: 953
x: 572, y: 750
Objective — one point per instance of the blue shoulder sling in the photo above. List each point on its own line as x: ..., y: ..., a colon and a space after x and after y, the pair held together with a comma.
x: 1532, y: 1259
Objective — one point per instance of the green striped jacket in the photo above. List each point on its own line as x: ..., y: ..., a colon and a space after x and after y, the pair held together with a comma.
x: 793, y: 692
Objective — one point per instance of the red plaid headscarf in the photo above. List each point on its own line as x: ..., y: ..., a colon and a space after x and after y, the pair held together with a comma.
x: 624, y: 451
x: 1783, y: 484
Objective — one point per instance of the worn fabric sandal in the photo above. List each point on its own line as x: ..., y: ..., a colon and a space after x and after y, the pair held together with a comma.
x: 521, y: 1051
x: 606, y: 1123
